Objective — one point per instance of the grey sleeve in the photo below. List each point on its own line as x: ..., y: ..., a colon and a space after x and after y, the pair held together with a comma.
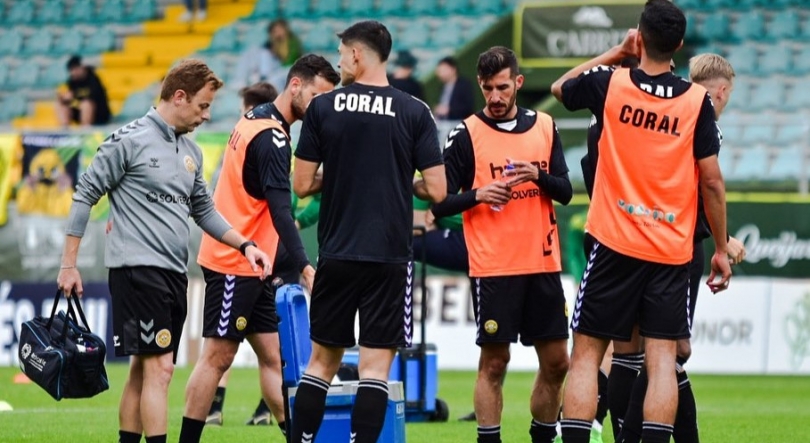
x: 104, y: 173
x: 202, y: 207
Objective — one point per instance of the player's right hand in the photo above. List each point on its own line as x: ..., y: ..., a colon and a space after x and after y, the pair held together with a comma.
x: 308, y: 276
x: 495, y: 193
x: 68, y: 281
x: 721, y: 266
x: 629, y: 46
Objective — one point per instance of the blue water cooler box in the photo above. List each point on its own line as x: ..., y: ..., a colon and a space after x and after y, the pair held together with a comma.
x: 336, y: 426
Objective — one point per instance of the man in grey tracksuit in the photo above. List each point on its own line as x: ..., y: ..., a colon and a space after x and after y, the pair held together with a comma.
x: 153, y: 176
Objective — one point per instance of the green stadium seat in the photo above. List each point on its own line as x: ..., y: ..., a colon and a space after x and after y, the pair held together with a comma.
x: 455, y: 7
x: 692, y: 26
x: 776, y: 60
x: 732, y: 133
x: 749, y: 26
x: 758, y: 133
x: 747, y: 4
x: 220, y: 66
x: 52, y: 11
x: 103, y: 40
x: 787, y: 3
x: 790, y: 133
x: 415, y: 35
x: 804, y: 31
x: 767, y: 96
x: 716, y: 5
x: 13, y: 105
x: 801, y: 64
x: 715, y: 26
x: 321, y: 38
x: 70, y: 42
x: 448, y: 34
x: 135, y: 104
x: 486, y: 7
x: 265, y: 9
x: 20, y: 13
x: 480, y: 26
x: 54, y: 74
x: 141, y: 11
x: 254, y: 35
x: 112, y: 11
x: 39, y: 42
x: 741, y: 95
x: 25, y: 75
x: 783, y: 25
x: 359, y: 8
x: 328, y: 8
x: 797, y: 100
x: 82, y: 11
x: 295, y: 8
x: 750, y: 166
x: 226, y: 108
x: 3, y: 75
x: 726, y: 159
x: 224, y: 40
x: 743, y: 59
x: 390, y: 7
x: 788, y: 163
x: 11, y: 42
x: 688, y: 5
x: 423, y: 7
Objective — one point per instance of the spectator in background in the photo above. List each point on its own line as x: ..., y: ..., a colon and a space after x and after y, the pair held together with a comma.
x: 83, y: 99
x: 456, y: 102
x: 402, y: 78
x: 202, y: 8
x: 271, y: 60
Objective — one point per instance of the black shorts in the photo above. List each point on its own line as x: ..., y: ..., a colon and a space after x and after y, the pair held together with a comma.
x: 149, y: 307
x: 382, y: 292
x: 237, y: 306
x: 531, y: 306
x: 618, y: 291
x: 695, y: 274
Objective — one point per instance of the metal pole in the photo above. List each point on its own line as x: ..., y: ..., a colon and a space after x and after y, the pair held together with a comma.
x: 804, y: 180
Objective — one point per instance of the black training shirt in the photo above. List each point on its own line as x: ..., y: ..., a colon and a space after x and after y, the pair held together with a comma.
x: 371, y: 140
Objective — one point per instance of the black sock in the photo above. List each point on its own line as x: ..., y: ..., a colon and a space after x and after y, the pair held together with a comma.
x: 656, y: 432
x: 602, y: 405
x: 489, y: 434
x: 128, y: 437
x: 686, y: 426
x: 157, y: 438
x: 191, y: 431
x: 219, y: 400
x: 262, y: 408
x: 623, y: 373
x: 310, y: 404
x: 576, y: 431
x: 368, y: 414
x: 634, y: 417
x: 543, y: 432
x: 283, y: 426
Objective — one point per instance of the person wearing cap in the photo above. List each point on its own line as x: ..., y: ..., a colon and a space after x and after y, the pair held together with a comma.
x: 402, y: 78
x: 83, y: 98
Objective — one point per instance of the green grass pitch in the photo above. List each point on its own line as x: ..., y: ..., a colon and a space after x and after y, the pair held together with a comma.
x: 731, y: 409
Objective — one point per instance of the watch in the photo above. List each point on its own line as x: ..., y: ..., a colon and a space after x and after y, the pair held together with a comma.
x: 245, y: 245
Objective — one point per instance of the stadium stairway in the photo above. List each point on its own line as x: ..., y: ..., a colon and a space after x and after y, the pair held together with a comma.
x: 144, y: 59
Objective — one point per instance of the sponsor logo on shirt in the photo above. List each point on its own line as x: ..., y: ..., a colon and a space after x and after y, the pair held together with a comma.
x: 154, y: 197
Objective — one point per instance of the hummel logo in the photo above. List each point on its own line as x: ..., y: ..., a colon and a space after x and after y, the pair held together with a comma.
x: 306, y: 438
x: 148, y: 335
x: 279, y: 139
x: 353, y: 435
x: 153, y: 162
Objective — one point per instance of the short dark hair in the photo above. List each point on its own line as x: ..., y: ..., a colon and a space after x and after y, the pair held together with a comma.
x: 662, y: 26
x: 278, y: 22
x: 309, y: 66
x: 449, y: 61
x: 257, y: 94
x: 496, y: 59
x: 370, y: 33
x: 74, y: 62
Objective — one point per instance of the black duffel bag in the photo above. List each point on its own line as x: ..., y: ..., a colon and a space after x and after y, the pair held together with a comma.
x: 62, y: 356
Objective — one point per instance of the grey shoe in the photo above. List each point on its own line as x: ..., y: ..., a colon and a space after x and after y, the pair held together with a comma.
x: 214, y: 419
x: 264, y: 419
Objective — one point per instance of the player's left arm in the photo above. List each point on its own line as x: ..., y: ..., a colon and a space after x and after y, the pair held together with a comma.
x: 308, y: 155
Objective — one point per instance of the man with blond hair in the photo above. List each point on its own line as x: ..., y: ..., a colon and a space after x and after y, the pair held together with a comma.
x: 153, y: 175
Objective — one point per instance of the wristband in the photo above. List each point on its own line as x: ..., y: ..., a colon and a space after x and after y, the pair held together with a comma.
x: 243, y: 247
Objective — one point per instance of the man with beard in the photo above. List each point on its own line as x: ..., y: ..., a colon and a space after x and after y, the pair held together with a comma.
x: 253, y: 192
x: 371, y: 138
x: 514, y: 250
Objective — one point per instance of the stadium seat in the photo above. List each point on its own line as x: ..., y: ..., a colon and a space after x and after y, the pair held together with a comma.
x: 226, y: 108
x: 690, y: 4
x: 752, y: 165
x: 732, y: 133
x: 52, y: 11
x: 788, y: 163
x: 11, y: 42
x: 797, y: 100
x: 25, y: 75
x: 715, y: 26
x: 112, y: 11
x: 692, y: 25
x: 70, y: 42
x: 141, y: 10
x: 801, y: 64
x: 295, y: 8
x: 448, y: 34
x: 54, y: 74
x: 743, y: 58
x: 134, y: 106
x: 3, y: 75
x: 767, y: 95
x: 13, y: 105
x: 454, y: 7
x: 423, y: 7
x: 741, y: 96
x: 747, y: 4
x: 82, y: 11
x: 20, y: 13
x: 486, y: 7
x: 320, y: 38
x: 758, y: 133
x: 103, y: 40
x: 359, y: 8
x: 749, y: 26
x: 224, y: 40
x: 391, y: 7
x: 265, y: 9
x: 783, y: 25
x: 39, y: 42
x: 220, y: 66
x: 726, y: 159
x: 791, y: 133
x: 776, y: 60
x: 328, y: 8
x: 415, y: 35
x: 718, y: 4
x: 481, y: 25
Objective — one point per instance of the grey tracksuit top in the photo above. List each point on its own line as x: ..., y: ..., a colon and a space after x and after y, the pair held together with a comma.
x: 154, y: 181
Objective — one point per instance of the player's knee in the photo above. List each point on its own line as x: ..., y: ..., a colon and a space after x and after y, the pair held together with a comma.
x: 158, y: 370
x: 555, y: 370
x: 493, y: 365
x: 220, y: 358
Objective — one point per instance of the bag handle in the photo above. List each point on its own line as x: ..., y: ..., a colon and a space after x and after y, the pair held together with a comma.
x: 74, y: 301
x: 53, y: 309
